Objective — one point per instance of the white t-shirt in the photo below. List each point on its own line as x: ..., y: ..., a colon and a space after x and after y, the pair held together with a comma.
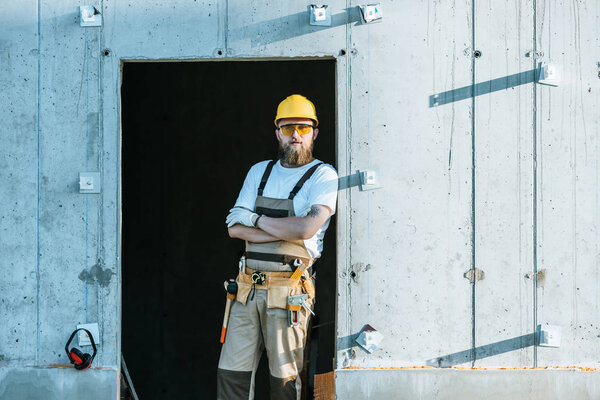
x: 320, y: 189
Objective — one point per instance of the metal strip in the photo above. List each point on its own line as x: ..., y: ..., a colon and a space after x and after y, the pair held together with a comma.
x: 128, y: 378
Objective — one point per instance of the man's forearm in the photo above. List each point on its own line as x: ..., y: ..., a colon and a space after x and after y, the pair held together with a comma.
x: 288, y: 228
x: 250, y: 234
x: 296, y: 228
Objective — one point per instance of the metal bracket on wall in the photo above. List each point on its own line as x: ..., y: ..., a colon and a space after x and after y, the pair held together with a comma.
x: 84, y: 339
x: 549, y: 335
x: 369, y: 338
x: 370, y: 13
x: 89, y: 16
x: 474, y: 275
x: 89, y: 182
x: 547, y: 74
x: 319, y: 15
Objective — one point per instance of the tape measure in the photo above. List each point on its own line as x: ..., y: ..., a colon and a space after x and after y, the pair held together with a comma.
x: 300, y: 268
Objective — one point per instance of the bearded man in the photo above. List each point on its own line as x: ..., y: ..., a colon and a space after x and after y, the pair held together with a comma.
x: 281, y: 213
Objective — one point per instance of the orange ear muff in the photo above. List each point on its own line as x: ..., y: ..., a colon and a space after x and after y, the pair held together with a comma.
x: 76, y: 356
x: 80, y: 360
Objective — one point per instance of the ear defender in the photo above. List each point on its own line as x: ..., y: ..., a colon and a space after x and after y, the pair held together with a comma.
x: 80, y: 360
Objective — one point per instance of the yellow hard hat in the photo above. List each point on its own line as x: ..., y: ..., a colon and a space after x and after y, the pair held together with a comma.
x: 296, y: 106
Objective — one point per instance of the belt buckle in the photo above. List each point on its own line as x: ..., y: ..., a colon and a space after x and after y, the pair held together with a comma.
x: 258, y: 277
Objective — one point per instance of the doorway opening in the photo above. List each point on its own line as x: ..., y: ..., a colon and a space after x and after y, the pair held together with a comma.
x: 190, y: 133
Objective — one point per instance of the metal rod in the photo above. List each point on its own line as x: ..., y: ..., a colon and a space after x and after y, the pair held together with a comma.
x: 128, y: 378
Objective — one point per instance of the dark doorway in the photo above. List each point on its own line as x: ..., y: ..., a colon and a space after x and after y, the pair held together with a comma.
x: 191, y: 131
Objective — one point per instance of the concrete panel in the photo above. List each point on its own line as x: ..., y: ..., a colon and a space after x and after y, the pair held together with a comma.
x: 174, y: 29
x: 18, y: 187
x: 282, y: 29
x: 568, y: 202
x: 503, y: 189
x: 442, y: 384
x: 409, y: 242
x: 342, y: 315
x: 69, y: 99
x: 109, y: 239
x: 58, y: 384
x: 217, y: 29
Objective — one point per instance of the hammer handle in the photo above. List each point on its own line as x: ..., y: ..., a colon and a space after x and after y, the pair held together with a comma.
x: 226, y: 319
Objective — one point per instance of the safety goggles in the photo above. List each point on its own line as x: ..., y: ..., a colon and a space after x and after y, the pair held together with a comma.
x: 302, y: 129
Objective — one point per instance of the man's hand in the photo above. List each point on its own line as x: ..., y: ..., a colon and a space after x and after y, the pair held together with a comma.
x: 242, y: 216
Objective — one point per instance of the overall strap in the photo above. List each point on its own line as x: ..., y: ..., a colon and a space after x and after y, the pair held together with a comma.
x: 265, y: 177
x: 302, y: 180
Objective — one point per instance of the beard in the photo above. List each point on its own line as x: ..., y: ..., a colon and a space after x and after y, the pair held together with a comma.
x: 290, y: 156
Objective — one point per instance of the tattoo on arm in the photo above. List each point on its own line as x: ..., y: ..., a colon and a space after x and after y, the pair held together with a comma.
x: 314, y: 212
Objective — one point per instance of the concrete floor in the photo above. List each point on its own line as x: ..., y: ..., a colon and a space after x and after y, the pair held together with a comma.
x: 446, y: 384
x: 26, y: 383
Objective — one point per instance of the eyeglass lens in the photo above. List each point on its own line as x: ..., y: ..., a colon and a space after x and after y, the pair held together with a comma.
x: 302, y: 129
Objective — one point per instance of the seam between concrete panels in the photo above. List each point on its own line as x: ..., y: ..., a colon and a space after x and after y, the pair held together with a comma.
x: 535, y: 188
x: 100, y: 256
x: 87, y: 134
x: 37, y: 232
x: 226, y: 27
x: 348, y: 170
x: 473, y: 248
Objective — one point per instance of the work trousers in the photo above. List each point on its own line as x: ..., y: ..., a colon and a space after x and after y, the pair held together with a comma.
x: 253, y: 328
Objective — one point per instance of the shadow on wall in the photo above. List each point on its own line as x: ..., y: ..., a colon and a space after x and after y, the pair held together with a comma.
x: 290, y: 26
x: 486, y: 87
x: 461, y: 357
x: 489, y: 350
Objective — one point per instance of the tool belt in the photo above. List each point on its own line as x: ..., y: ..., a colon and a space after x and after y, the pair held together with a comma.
x: 278, y: 285
x: 256, y: 259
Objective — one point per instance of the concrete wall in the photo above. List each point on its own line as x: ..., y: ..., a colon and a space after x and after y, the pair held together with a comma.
x: 505, y: 181
x: 500, y: 175
x: 60, y: 255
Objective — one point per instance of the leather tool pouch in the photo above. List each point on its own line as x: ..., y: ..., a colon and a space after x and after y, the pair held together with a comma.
x: 278, y: 289
x: 243, y: 291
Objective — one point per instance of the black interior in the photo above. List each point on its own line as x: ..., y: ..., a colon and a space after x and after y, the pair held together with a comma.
x: 191, y: 131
